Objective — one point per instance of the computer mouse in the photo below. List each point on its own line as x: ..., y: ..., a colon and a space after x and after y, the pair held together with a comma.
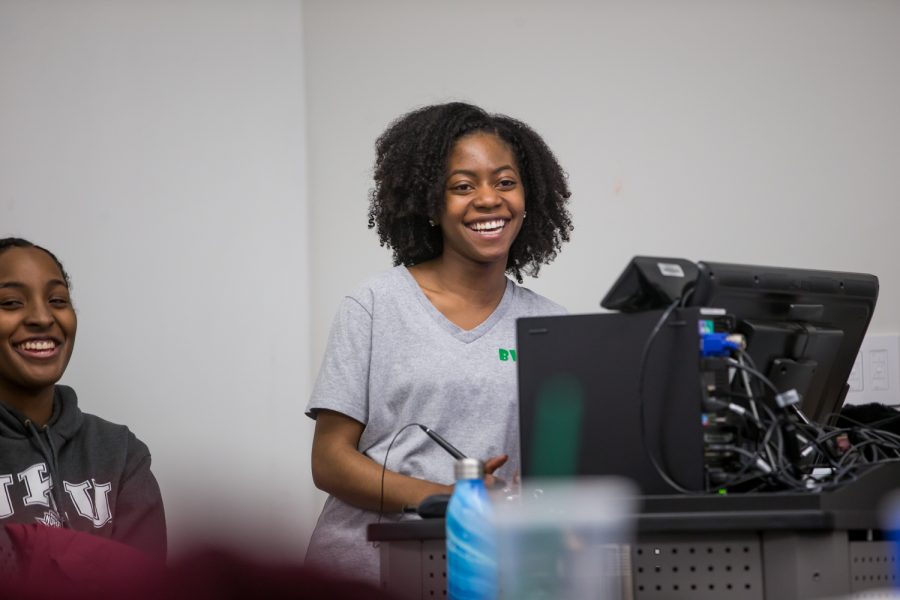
x: 433, y: 507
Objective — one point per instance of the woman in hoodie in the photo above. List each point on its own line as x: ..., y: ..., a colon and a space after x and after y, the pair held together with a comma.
x: 58, y: 466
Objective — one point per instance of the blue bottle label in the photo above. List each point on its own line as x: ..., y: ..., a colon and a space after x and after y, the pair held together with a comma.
x: 471, y: 547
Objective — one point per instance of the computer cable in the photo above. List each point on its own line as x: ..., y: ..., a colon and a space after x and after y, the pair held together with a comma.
x: 772, y: 441
x: 754, y: 457
x: 761, y: 446
x: 863, y: 438
x: 447, y: 446
x: 745, y: 378
x: 752, y: 371
x: 871, y: 426
x: 880, y: 422
x: 790, y: 439
x: 865, y: 446
x: 738, y: 477
x: 645, y: 353
x: 762, y: 429
x: 885, y: 441
x: 384, y: 466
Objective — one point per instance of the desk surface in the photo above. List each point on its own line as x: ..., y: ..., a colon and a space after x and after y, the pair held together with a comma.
x: 851, y: 506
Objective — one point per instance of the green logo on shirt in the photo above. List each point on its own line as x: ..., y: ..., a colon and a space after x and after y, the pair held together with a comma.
x: 507, y: 354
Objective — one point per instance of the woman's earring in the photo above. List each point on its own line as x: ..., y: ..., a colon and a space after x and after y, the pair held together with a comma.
x: 524, y: 214
x: 432, y: 223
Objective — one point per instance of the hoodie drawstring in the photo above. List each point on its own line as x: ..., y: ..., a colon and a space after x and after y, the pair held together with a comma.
x: 52, y: 459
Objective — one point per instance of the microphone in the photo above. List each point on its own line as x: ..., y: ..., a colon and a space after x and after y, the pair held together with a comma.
x: 442, y: 442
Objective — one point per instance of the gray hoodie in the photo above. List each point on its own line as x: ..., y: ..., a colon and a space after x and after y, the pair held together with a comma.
x: 80, y: 472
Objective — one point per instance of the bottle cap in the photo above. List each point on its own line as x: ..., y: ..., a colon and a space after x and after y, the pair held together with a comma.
x: 468, y: 468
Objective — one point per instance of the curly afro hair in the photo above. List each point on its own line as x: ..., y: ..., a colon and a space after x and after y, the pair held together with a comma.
x: 410, y: 171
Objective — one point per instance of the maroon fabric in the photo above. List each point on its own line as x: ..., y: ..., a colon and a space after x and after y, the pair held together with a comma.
x: 55, y: 562
x: 61, y: 563
x: 218, y: 575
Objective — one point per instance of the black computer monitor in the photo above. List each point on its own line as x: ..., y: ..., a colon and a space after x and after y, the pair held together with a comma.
x: 581, y: 410
x: 803, y: 327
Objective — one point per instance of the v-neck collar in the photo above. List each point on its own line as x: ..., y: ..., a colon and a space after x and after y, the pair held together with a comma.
x: 465, y: 336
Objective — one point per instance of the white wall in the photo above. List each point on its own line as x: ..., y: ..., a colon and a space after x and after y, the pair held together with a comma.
x: 158, y: 149
x: 754, y: 132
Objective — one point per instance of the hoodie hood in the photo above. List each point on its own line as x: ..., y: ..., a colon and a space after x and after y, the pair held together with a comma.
x: 65, y: 421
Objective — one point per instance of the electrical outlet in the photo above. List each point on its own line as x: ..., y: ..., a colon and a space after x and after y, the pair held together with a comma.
x: 876, y: 372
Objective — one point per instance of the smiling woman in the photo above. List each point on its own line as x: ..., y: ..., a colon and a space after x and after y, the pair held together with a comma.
x: 463, y: 198
x: 38, y: 322
x: 484, y: 204
x: 58, y: 466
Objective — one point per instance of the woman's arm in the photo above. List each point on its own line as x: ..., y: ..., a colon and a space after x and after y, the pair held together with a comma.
x: 139, y: 519
x: 340, y: 469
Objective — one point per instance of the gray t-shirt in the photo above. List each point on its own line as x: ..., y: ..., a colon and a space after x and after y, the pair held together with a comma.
x: 394, y: 359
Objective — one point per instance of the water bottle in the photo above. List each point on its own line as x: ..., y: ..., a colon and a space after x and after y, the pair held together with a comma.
x: 471, y: 548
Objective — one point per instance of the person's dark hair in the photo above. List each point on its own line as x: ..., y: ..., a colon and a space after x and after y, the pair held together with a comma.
x: 410, y: 170
x: 14, y: 242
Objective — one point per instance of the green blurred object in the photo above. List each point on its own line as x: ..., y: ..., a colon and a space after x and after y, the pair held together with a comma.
x: 560, y: 406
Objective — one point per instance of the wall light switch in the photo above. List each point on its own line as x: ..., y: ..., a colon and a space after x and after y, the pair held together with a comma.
x: 876, y: 372
x: 857, y: 376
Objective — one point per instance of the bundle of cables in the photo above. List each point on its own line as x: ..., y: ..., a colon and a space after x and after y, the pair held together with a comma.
x: 772, y: 446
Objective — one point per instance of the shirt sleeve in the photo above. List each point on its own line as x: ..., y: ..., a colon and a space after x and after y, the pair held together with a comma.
x: 140, y: 520
x: 343, y: 381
